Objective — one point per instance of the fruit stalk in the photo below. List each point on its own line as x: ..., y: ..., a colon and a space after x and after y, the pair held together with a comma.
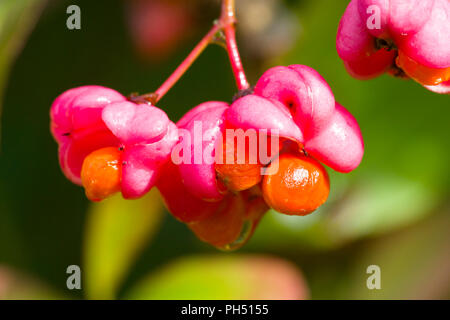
x: 228, y: 18
x: 226, y: 23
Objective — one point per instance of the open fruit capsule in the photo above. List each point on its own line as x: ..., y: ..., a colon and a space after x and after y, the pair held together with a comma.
x: 298, y: 187
x: 101, y: 173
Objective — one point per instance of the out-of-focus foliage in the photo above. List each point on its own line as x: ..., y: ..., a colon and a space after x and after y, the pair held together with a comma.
x: 268, y: 29
x: 15, y: 285
x: 224, y: 277
x: 116, y: 231
x: 392, y: 211
x: 415, y: 264
x: 17, y: 17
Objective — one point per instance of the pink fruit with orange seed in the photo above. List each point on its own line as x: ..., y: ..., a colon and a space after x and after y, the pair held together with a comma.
x: 409, y: 37
x: 90, y: 118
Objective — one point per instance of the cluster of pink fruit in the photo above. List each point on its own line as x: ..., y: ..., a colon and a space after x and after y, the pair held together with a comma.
x: 109, y: 144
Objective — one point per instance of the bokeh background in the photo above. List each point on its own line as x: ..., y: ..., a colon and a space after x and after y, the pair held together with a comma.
x: 393, y: 211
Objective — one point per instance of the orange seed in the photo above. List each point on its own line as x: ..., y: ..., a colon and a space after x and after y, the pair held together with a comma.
x: 101, y: 173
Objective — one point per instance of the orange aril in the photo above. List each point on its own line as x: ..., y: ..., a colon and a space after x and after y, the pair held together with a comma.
x: 101, y: 173
x: 298, y: 187
x: 237, y: 174
x: 422, y: 74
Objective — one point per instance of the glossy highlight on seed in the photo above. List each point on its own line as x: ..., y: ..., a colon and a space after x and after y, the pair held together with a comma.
x: 299, y: 187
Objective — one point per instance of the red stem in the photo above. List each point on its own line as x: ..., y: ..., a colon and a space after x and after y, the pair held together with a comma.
x: 228, y: 19
x: 235, y: 59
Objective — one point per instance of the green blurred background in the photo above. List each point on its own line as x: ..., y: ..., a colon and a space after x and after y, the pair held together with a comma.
x: 393, y: 211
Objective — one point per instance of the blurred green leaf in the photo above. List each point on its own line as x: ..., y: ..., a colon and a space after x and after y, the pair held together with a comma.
x: 17, y: 18
x: 364, y: 214
x: 116, y: 231
x: 224, y: 277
